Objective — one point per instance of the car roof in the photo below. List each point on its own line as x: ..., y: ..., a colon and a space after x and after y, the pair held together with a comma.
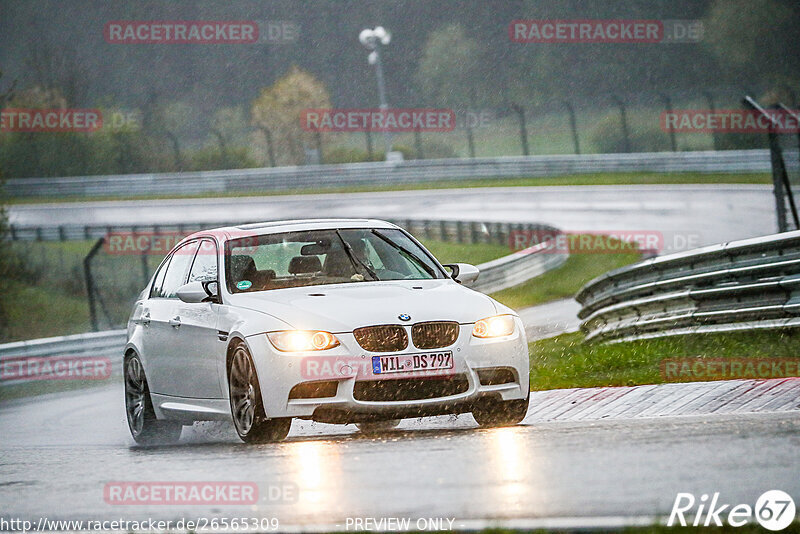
x: 296, y: 225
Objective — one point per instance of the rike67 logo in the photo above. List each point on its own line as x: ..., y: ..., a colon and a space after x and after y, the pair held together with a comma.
x: 774, y: 510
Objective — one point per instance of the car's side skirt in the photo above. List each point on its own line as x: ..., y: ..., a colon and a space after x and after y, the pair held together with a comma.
x: 183, y: 409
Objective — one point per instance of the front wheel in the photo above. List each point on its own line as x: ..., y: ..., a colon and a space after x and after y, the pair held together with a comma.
x: 490, y: 412
x: 247, y: 408
x: 145, y: 428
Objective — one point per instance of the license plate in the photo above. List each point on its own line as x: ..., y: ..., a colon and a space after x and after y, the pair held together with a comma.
x: 405, y: 363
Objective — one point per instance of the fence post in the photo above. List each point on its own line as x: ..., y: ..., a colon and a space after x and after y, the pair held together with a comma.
x: 668, y: 109
x: 369, y: 144
x: 418, y: 143
x: 270, y: 150
x: 318, y: 140
x: 523, y: 128
x: 573, y: 125
x: 710, y: 99
x: 781, y: 187
x: 87, y: 273
x: 470, y: 141
x: 623, y: 118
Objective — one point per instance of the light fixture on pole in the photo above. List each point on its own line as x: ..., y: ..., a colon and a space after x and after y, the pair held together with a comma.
x: 373, y: 39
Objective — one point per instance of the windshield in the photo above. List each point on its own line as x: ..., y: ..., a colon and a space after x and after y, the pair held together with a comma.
x: 319, y: 257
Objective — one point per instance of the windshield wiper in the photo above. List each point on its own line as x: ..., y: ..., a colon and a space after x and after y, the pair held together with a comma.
x: 348, y: 249
x: 407, y: 253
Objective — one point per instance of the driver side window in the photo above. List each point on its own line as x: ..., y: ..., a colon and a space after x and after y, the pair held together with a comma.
x: 175, y: 276
x: 204, y: 268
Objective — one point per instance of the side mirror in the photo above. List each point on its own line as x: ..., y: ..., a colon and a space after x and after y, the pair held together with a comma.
x: 195, y: 292
x: 463, y: 273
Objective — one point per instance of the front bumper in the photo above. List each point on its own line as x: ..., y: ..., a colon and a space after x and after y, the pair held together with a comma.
x: 349, y: 364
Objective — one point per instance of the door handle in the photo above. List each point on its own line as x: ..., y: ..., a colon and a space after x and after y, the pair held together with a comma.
x: 175, y: 321
x: 145, y: 319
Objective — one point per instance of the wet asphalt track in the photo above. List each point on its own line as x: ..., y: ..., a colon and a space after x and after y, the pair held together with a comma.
x: 59, y: 451
x: 687, y: 215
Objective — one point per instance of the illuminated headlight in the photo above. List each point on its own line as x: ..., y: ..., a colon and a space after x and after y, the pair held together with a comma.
x: 302, y: 340
x: 497, y: 326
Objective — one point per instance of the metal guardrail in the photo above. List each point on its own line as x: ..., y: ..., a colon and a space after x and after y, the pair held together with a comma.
x: 453, y: 231
x: 106, y: 344
x: 748, y: 284
x: 517, y: 268
x: 383, y: 173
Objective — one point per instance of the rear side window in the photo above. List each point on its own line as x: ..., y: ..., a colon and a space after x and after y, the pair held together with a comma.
x: 177, y: 269
x: 158, y: 284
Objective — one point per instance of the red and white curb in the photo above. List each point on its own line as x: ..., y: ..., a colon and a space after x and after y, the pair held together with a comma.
x: 659, y: 400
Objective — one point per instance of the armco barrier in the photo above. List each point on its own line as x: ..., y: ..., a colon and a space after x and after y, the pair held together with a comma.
x: 385, y: 173
x: 95, y: 344
x: 748, y: 284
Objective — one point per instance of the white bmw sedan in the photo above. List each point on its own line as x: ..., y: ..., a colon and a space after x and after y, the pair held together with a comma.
x: 339, y: 321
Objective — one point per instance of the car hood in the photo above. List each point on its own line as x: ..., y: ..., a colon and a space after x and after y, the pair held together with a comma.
x: 344, y: 307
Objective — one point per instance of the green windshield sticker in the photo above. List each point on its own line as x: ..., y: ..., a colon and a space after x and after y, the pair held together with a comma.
x: 244, y: 284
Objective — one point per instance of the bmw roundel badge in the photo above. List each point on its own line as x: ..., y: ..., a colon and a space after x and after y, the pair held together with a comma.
x: 404, y: 317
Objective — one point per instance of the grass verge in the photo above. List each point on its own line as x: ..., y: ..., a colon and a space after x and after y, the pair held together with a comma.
x: 564, y: 281
x: 572, y: 179
x: 565, y: 361
x: 475, y: 254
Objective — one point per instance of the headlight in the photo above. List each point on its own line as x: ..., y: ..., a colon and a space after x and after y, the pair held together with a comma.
x: 497, y: 326
x: 302, y: 340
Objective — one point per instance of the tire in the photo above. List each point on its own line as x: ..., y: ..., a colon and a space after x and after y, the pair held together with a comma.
x: 490, y: 412
x: 145, y: 428
x: 377, y: 427
x: 247, y: 408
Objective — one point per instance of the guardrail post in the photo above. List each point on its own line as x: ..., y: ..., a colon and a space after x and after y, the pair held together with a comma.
x: 459, y: 231
x: 61, y: 235
x: 443, y: 230
x: 38, y: 233
x: 13, y: 232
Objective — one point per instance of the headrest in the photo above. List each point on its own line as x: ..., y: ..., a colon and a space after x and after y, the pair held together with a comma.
x: 304, y: 265
x: 242, y: 265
